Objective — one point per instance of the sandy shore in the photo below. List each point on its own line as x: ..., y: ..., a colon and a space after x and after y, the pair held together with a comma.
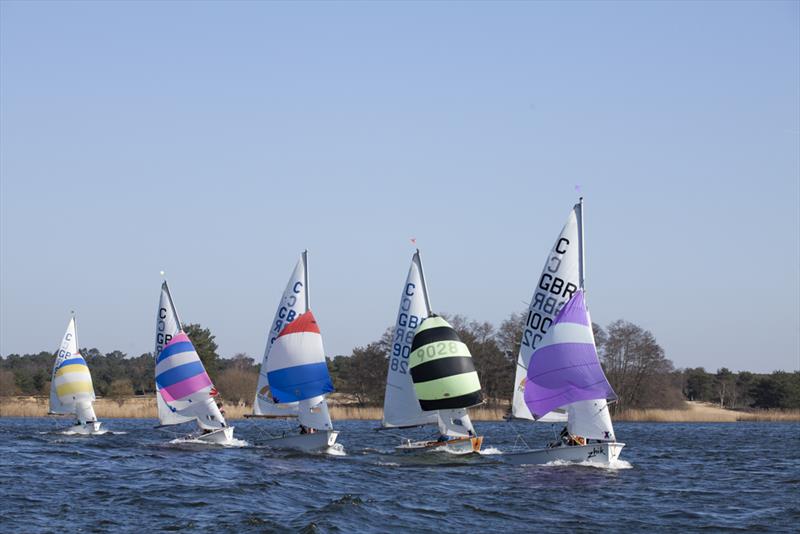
x: 342, y: 407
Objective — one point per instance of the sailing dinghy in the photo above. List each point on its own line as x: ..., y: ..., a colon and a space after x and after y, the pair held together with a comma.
x: 183, y: 387
x: 431, y: 377
x: 559, y: 376
x: 294, y: 379
x: 71, y: 389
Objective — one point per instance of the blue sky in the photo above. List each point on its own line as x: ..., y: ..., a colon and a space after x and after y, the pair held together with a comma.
x: 216, y: 141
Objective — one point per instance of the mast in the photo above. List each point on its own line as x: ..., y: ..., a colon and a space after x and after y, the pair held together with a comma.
x: 75, y: 327
x: 305, y: 277
x: 424, y: 284
x: 581, y: 249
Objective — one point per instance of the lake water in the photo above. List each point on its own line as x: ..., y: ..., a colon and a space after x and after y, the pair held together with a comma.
x: 676, y: 477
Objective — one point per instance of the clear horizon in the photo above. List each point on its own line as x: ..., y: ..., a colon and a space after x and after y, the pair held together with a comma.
x: 216, y: 141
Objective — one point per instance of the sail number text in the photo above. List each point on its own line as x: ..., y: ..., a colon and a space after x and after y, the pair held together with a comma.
x: 551, y: 294
x: 404, y: 332
x: 286, y: 313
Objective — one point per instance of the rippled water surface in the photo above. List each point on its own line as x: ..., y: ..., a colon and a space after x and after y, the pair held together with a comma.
x: 740, y: 476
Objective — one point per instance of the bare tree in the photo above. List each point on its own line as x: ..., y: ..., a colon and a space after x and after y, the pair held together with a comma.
x: 636, y: 367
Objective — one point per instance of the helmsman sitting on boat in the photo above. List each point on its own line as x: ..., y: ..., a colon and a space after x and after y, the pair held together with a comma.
x: 565, y: 439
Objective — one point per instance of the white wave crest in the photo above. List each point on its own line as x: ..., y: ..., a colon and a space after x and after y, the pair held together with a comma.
x: 614, y: 465
x: 336, y: 450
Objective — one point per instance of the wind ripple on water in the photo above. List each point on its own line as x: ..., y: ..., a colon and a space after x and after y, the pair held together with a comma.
x: 738, y: 477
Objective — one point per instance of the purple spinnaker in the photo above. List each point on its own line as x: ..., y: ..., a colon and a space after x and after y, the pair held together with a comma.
x: 568, y: 371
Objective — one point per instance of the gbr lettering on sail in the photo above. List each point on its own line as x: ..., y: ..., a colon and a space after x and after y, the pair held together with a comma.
x: 558, y: 283
x: 407, y: 322
x: 162, y: 337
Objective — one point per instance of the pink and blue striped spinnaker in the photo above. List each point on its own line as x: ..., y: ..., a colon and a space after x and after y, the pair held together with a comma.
x: 179, y: 371
x: 565, y: 367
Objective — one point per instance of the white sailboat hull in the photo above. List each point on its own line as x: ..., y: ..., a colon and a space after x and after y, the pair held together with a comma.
x: 595, y: 453
x: 318, y: 441
x: 86, y: 429
x: 223, y: 436
x: 457, y: 446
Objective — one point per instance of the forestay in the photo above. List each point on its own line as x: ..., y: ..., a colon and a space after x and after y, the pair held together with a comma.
x: 71, y: 389
x: 293, y: 304
x: 183, y: 388
x: 297, y: 371
x: 400, y: 405
x: 565, y: 372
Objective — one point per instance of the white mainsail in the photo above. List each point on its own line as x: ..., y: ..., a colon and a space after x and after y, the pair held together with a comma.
x: 313, y: 413
x: 558, y: 281
x: 183, y: 388
x: 455, y: 423
x: 293, y: 303
x: 71, y: 389
x: 400, y: 405
x: 561, y: 278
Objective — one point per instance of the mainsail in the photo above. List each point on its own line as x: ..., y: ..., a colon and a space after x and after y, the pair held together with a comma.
x: 400, y: 406
x: 293, y: 303
x: 565, y: 372
x: 560, y: 279
x: 297, y: 371
x: 71, y: 389
x: 183, y: 388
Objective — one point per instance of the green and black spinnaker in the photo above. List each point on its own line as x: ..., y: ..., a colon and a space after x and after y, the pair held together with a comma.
x: 442, y: 369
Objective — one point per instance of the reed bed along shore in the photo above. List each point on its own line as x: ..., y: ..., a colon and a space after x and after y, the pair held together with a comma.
x: 141, y: 407
x: 700, y: 412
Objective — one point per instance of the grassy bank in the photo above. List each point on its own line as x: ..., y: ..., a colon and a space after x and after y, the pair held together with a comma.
x: 342, y: 407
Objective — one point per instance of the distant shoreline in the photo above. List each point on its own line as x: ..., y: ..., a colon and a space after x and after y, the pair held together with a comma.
x: 144, y: 407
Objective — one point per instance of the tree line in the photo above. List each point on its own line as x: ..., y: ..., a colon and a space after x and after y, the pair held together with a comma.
x: 636, y: 366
